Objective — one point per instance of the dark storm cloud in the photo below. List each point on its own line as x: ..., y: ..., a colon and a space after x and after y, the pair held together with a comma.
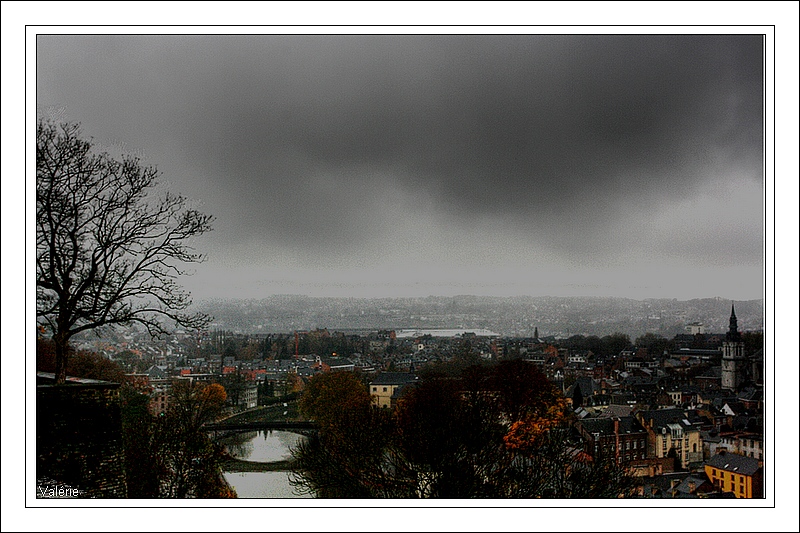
x: 483, y: 123
x: 296, y: 140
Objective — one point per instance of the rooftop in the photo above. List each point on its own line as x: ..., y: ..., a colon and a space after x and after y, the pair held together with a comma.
x: 732, y: 462
x: 393, y: 378
x: 49, y: 378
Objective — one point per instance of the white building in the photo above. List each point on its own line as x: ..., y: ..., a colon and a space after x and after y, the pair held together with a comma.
x: 695, y: 328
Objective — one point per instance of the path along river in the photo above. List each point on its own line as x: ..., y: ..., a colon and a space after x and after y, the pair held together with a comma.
x: 262, y: 447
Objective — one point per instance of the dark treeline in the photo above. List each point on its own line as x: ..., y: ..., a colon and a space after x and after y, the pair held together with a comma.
x: 492, y: 431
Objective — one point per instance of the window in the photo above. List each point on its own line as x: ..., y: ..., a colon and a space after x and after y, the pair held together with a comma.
x: 374, y: 389
x: 385, y: 389
x: 634, y: 445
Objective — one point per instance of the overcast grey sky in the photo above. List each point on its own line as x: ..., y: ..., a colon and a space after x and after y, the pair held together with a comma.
x: 468, y: 164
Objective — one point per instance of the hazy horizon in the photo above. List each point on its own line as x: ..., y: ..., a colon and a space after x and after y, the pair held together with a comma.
x: 464, y: 295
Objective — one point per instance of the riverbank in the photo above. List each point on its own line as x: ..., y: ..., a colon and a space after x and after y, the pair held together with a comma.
x: 238, y: 465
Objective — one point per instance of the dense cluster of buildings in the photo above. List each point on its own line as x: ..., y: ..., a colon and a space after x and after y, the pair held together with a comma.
x: 689, y: 427
x: 687, y: 422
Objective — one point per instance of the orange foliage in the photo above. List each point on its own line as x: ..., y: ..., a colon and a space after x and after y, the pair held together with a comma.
x: 212, y: 395
x: 528, y: 432
x: 225, y: 492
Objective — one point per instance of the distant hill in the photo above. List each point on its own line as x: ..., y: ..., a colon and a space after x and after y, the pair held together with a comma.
x: 508, y: 316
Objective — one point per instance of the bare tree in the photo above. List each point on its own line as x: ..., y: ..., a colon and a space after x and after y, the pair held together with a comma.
x: 108, y: 249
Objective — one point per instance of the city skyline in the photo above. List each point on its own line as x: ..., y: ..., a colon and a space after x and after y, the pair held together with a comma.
x: 409, y: 165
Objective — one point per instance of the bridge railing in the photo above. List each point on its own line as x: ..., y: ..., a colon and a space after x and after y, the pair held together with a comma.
x: 254, y: 426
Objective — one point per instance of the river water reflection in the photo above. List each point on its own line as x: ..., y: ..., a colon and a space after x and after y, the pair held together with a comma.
x: 262, y: 446
x: 261, y: 484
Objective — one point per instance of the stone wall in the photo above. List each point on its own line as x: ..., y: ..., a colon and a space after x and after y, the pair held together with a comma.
x: 79, y: 437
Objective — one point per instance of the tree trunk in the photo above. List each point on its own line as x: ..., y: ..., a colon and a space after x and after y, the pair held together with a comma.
x: 61, y: 342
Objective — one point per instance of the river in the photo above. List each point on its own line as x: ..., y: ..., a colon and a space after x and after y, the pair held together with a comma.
x: 262, y: 446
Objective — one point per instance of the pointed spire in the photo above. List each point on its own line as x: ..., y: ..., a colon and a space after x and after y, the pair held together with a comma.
x: 733, y: 329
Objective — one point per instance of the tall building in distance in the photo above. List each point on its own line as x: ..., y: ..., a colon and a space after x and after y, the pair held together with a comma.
x: 733, y: 358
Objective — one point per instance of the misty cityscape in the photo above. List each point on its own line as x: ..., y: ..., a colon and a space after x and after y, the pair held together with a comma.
x: 557, y: 317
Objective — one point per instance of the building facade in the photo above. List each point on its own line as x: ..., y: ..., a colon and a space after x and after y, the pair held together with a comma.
x: 385, y: 384
x: 670, y: 434
x: 737, y: 474
x: 620, y: 437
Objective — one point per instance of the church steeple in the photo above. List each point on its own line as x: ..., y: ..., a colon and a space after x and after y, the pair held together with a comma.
x: 733, y: 329
x: 733, y: 359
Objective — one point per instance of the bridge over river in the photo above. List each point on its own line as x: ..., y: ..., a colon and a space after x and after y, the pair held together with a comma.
x: 223, y: 429
x: 281, y: 425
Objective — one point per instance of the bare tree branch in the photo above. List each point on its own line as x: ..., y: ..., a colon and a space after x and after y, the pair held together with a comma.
x: 109, y: 251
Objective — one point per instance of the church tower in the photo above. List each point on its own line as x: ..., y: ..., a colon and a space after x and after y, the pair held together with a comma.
x: 733, y: 359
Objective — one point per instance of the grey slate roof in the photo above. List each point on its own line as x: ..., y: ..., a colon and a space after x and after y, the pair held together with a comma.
x: 662, y: 417
x: 401, y: 390
x: 689, y: 487
x: 393, y: 378
x: 605, y: 426
x: 732, y: 462
x: 588, y: 385
x: 616, y: 410
x: 337, y: 362
x: 156, y: 372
